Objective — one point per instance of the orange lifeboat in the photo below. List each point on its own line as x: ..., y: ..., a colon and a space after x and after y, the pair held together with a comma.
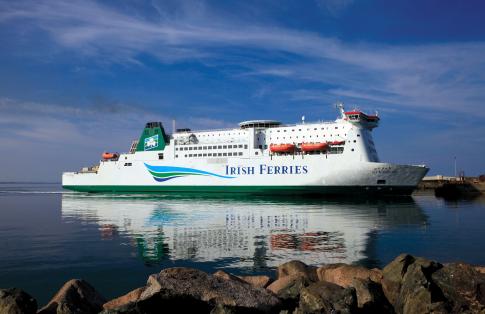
x: 282, y: 148
x: 107, y: 156
x: 337, y: 143
x: 312, y: 147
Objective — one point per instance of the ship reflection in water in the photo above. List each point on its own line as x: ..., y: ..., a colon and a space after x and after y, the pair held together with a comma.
x: 241, y: 233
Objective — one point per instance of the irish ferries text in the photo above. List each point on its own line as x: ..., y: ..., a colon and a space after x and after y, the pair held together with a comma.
x: 266, y: 169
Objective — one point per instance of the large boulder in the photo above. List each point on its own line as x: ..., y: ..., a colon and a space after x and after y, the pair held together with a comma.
x: 418, y: 293
x: 370, y: 297
x: 463, y: 286
x: 257, y: 281
x: 226, y: 276
x: 297, y: 268
x: 16, y: 301
x: 343, y: 275
x: 480, y: 269
x: 407, y: 283
x: 76, y: 296
x: 124, y: 300
x: 289, y: 287
x: 393, y: 274
x: 193, y: 290
x: 327, y: 297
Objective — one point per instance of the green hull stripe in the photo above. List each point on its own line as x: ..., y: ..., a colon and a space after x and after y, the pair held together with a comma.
x: 387, y: 190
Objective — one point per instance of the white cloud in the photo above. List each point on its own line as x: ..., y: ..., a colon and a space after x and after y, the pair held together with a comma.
x: 446, y: 76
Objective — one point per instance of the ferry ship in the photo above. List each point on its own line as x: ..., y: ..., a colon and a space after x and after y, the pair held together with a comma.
x: 260, y: 157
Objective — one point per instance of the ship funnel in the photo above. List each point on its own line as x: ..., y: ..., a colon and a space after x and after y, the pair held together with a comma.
x: 152, y: 138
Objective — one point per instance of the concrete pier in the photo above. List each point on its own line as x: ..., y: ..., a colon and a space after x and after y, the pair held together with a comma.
x: 454, y: 186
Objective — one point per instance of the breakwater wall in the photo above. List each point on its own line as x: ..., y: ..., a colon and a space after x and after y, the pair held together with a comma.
x: 406, y: 285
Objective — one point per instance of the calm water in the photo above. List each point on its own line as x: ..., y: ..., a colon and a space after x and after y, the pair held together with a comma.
x: 48, y: 236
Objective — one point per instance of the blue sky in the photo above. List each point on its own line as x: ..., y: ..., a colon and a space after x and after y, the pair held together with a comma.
x: 81, y: 77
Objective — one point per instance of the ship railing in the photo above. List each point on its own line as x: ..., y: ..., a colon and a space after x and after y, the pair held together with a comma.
x: 92, y: 169
x: 237, y: 129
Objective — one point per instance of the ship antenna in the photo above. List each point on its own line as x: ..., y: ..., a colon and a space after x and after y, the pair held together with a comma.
x: 340, y: 106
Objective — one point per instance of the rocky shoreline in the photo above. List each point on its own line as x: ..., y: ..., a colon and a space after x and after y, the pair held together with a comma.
x: 406, y: 285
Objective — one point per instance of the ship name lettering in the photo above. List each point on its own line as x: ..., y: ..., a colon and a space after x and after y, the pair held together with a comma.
x: 266, y: 169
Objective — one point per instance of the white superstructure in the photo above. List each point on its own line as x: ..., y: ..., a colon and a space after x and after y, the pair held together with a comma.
x: 261, y: 156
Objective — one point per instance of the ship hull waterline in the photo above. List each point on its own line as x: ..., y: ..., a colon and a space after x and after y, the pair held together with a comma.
x: 257, y: 190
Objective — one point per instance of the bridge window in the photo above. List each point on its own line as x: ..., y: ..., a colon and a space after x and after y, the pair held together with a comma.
x: 160, y: 156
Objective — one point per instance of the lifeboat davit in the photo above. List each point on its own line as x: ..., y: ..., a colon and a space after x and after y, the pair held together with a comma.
x: 107, y: 156
x: 282, y: 148
x: 313, y: 147
x: 337, y: 143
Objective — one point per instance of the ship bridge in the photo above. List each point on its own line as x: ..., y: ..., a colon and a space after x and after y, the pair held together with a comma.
x: 259, y: 124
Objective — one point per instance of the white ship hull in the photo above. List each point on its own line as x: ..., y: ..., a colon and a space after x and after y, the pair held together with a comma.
x: 246, y: 164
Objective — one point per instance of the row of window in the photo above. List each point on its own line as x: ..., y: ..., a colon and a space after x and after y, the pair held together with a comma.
x: 212, y: 147
x: 293, y: 130
x: 219, y: 134
x: 290, y: 137
x: 212, y: 154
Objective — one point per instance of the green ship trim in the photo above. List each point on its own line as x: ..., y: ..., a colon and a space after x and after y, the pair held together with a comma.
x: 253, y: 189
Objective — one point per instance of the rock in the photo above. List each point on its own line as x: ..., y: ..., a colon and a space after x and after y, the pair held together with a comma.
x: 327, y: 297
x: 222, y: 309
x: 370, y: 297
x: 192, y: 290
x: 396, y: 269
x: 297, y: 268
x: 124, y: 300
x: 226, y: 276
x: 76, y: 296
x: 393, y: 274
x: 418, y: 294
x: 16, y: 301
x: 343, y: 275
x: 257, y: 281
x: 289, y: 287
x: 408, y: 286
x: 462, y: 285
x: 480, y: 269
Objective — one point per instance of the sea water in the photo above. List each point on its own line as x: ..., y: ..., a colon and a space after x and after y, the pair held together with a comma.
x: 48, y: 236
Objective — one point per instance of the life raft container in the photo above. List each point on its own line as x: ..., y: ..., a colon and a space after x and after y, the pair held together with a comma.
x: 312, y: 147
x: 282, y: 148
